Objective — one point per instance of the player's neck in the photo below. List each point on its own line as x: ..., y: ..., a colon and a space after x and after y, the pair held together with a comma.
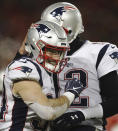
x: 78, y: 42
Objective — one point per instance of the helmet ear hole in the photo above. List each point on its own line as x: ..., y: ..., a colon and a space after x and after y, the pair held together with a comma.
x: 69, y: 32
x: 26, y: 44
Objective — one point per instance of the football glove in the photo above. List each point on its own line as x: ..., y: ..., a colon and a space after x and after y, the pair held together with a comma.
x: 74, y: 86
x: 39, y: 124
x: 68, y: 120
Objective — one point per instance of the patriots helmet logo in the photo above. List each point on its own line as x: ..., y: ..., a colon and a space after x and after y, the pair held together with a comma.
x: 24, y: 69
x: 58, y: 12
x: 41, y: 28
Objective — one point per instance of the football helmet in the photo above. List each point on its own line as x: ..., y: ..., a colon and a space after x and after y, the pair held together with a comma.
x: 66, y: 15
x: 44, y: 38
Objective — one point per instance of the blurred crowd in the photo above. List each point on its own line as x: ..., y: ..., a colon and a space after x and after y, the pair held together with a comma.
x: 99, y: 17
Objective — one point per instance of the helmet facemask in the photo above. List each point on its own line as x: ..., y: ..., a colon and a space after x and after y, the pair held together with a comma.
x: 51, y: 57
x: 47, y: 42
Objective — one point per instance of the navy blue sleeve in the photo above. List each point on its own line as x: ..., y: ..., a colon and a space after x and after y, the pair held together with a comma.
x: 109, y: 93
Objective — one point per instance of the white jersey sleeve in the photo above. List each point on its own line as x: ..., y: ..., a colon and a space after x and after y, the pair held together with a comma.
x: 109, y: 61
x: 24, y: 69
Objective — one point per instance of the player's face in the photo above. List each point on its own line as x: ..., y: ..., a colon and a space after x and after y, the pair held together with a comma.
x: 53, y: 55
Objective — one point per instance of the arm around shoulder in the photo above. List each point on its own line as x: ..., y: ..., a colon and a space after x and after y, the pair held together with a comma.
x: 31, y: 93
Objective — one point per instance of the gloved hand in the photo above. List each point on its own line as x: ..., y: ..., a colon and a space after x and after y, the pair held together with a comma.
x: 39, y: 124
x: 74, y: 86
x: 68, y: 120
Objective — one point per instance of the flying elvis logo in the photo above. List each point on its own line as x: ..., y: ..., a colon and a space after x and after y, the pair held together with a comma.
x: 24, y: 69
x: 57, y: 13
x: 114, y: 56
x: 41, y: 28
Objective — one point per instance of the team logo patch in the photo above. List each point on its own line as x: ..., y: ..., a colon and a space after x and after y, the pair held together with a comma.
x: 24, y: 69
x: 58, y: 12
x: 114, y: 56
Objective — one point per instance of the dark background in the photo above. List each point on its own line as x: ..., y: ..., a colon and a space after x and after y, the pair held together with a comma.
x: 100, y: 19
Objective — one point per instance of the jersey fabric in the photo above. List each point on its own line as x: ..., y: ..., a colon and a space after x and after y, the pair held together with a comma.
x: 15, y: 114
x: 89, y: 63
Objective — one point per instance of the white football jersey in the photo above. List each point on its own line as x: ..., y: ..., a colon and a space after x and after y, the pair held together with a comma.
x: 92, y: 61
x: 15, y: 114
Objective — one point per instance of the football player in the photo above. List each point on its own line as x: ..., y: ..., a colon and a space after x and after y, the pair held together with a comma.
x: 28, y: 81
x: 94, y: 63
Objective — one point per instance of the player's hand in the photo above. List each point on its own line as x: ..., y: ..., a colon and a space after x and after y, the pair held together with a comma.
x: 74, y: 86
x: 39, y: 124
x: 68, y: 120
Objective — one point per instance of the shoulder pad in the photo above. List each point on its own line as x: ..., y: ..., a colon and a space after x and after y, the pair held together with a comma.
x: 24, y: 69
